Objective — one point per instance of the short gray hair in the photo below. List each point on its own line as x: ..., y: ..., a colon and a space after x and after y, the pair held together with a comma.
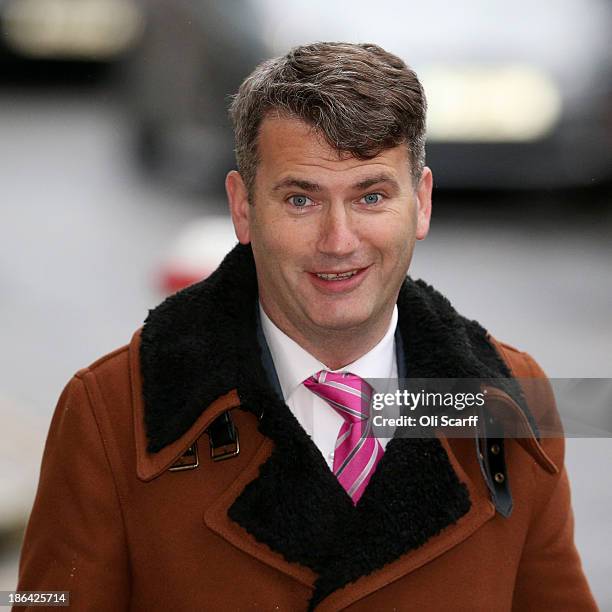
x: 361, y: 98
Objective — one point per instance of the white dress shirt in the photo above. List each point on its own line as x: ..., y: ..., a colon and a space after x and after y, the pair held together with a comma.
x: 294, y: 365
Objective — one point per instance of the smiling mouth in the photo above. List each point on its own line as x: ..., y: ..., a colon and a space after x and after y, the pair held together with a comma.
x: 340, y: 282
x: 334, y: 276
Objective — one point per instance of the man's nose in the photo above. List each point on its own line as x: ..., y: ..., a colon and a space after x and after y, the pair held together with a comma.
x: 337, y: 234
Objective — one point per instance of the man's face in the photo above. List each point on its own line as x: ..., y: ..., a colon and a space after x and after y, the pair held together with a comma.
x: 332, y: 236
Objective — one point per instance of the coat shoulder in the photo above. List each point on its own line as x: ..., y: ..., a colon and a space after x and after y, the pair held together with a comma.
x: 115, y: 359
x: 117, y: 369
x: 111, y: 391
x: 108, y: 381
x: 520, y: 363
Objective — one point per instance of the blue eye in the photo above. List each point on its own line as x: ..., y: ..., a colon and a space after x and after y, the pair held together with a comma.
x: 372, y: 198
x: 299, y: 201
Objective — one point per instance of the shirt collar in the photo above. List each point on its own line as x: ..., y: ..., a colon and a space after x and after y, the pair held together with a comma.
x: 294, y: 364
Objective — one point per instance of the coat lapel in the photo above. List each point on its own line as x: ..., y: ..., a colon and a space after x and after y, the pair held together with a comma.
x: 220, y: 515
x: 288, y: 510
x: 286, y: 507
x: 413, y: 548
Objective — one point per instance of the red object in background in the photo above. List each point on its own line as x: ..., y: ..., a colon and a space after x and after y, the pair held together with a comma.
x: 173, y: 278
x: 196, y: 253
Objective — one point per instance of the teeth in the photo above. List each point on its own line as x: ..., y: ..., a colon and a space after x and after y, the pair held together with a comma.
x: 342, y: 276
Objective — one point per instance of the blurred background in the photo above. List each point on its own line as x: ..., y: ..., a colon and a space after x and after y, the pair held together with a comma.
x: 114, y: 143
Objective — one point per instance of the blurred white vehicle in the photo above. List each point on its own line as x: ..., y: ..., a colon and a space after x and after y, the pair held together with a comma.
x: 520, y: 93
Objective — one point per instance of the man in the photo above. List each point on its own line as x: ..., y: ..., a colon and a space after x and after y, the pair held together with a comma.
x: 136, y: 510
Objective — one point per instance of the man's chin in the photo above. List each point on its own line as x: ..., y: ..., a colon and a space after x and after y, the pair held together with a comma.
x: 339, y: 321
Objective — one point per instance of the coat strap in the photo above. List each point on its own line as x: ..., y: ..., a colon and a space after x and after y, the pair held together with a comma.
x: 491, y: 458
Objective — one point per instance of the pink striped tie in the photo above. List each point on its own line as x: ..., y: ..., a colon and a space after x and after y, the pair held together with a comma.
x: 357, y: 453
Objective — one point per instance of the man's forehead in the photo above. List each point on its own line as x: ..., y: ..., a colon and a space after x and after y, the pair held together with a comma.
x: 292, y: 148
x: 290, y: 132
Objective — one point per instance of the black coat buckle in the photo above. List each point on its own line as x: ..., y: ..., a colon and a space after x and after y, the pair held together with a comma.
x: 223, y: 437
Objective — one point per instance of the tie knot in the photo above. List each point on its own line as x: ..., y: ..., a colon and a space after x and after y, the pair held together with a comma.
x: 348, y: 394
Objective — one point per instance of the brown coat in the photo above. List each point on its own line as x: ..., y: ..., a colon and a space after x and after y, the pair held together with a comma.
x: 271, y: 529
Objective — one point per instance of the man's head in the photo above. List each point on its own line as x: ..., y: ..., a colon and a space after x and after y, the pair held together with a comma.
x: 329, y: 143
x: 361, y: 98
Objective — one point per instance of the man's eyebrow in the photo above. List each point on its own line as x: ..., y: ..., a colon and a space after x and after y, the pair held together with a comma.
x: 291, y: 181
x: 364, y: 183
x: 375, y: 180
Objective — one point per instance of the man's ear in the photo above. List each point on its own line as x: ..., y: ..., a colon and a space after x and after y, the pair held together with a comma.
x: 423, y: 195
x: 238, y: 199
